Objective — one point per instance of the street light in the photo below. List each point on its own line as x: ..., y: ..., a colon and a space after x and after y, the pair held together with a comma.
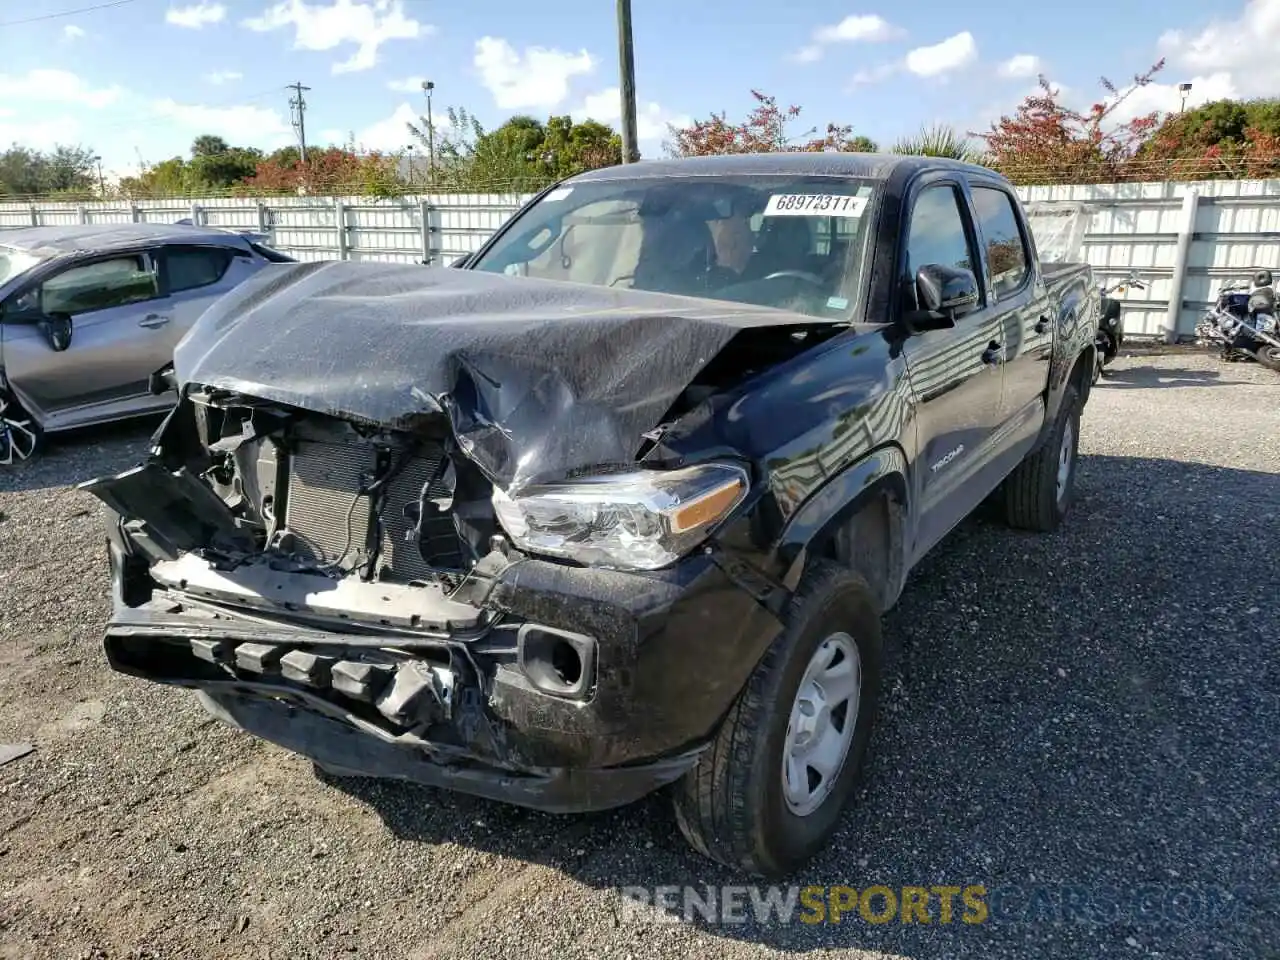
x: 409, y: 150
x: 1184, y: 89
x: 427, y: 87
x: 102, y: 184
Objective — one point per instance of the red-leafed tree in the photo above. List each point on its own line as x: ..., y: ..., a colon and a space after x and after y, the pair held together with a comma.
x: 764, y: 131
x: 1045, y: 141
x: 1224, y: 139
x: 328, y: 170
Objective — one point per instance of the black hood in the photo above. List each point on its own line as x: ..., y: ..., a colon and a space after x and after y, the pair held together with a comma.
x: 539, y: 378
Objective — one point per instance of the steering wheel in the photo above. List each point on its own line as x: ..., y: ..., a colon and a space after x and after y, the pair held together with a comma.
x: 805, y: 275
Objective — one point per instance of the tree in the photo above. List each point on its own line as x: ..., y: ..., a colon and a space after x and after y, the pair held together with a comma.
x: 66, y: 170
x: 938, y: 141
x: 207, y: 145
x: 1047, y: 142
x: 334, y: 170
x: 764, y: 131
x: 1219, y: 140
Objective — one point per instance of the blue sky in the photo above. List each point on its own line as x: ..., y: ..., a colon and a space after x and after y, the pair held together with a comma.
x: 140, y: 78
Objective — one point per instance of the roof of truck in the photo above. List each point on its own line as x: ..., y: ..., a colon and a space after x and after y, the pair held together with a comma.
x: 56, y: 241
x: 871, y: 166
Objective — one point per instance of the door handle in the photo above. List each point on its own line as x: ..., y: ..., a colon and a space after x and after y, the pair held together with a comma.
x: 994, y: 354
x: 153, y: 320
x: 1043, y: 325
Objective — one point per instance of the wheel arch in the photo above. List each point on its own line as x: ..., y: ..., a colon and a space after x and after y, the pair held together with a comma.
x: 858, y: 518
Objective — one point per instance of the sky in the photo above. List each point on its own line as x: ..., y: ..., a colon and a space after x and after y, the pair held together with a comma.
x: 137, y: 80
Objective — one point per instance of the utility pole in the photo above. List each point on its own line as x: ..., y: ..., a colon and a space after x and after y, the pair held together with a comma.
x: 627, y: 67
x: 427, y: 87
x: 297, y: 107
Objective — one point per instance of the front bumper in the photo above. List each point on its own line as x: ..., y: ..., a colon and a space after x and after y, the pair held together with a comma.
x: 668, y: 654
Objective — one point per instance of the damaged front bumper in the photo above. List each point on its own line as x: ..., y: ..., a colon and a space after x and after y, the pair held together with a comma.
x: 563, y: 689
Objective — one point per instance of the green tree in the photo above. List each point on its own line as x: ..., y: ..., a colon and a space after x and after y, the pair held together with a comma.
x: 939, y: 140
x: 66, y: 170
x: 208, y: 145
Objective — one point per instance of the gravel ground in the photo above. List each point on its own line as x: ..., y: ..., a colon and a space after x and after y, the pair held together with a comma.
x: 1087, y: 714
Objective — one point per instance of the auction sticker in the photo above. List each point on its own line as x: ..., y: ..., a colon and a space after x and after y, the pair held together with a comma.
x: 814, y: 205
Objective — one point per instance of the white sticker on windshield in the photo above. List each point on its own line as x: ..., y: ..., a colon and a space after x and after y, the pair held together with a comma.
x: 557, y: 194
x: 814, y: 205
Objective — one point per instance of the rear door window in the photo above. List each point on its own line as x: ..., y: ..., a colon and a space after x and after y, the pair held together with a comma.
x: 1007, y: 255
x: 189, y: 268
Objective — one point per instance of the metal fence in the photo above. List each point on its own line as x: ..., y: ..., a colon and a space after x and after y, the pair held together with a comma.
x: 1185, y: 239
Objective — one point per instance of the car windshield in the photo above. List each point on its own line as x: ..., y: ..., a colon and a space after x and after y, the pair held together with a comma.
x: 14, y: 262
x: 794, y: 243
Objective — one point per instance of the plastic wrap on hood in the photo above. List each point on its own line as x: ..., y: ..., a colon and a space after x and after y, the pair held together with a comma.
x: 540, y: 379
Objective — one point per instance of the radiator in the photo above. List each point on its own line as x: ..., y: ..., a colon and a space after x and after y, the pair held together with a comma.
x: 323, y: 480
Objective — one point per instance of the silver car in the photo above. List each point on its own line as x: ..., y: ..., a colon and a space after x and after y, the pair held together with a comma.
x: 89, y: 313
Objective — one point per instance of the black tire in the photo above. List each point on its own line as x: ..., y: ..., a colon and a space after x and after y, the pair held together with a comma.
x: 1032, y: 498
x: 1269, y: 357
x: 21, y: 438
x: 731, y: 807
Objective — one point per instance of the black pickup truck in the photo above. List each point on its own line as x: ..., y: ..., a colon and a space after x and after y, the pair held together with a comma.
x: 615, y: 505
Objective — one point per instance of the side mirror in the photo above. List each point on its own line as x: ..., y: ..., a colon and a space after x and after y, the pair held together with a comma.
x: 943, y: 296
x: 57, y: 328
x: 162, y: 381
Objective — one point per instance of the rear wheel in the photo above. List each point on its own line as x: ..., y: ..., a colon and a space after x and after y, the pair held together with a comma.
x: 769, y: 792
x: 1269, y: 357
x: 20, y: 436
x: 1038, y: 493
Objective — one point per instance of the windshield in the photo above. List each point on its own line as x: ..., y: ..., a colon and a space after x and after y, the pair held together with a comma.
x: 795, y: 243
x: 14, y: 262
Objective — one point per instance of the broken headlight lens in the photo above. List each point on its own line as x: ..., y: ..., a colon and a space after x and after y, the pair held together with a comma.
x: 637, y: 521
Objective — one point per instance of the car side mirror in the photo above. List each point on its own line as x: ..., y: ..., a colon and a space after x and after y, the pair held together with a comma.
x: 943, y: 295
x: 57, y: 328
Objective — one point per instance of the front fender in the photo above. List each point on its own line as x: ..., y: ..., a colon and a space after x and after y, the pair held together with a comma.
x: 838, y: 499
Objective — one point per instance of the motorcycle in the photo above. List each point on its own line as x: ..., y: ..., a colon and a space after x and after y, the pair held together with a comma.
x: 1110, y: 336
x: 1242, y: 322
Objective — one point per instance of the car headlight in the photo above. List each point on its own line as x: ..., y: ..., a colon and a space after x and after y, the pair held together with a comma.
x: 641, y: 520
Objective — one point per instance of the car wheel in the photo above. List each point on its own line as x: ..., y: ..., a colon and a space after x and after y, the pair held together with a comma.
x: 1038, y: 494
x: 20, y: 436
x: 768, y: 793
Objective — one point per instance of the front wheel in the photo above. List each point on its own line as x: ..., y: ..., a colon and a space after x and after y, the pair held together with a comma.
x: 20, y: 436
x: 768, y: 793
x: 1269, y: 357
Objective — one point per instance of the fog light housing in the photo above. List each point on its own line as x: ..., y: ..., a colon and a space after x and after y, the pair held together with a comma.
x: 557, y: 662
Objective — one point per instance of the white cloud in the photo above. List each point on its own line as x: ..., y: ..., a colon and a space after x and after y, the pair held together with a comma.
x: 260, y: 126
x: 951, y: 54
x: 536, y: 78
x: 388, y: 135
x: 1021, y: 65
x: 858, y: 28
x: 407, y: 85
x: 219, y: 77
x: 872, y: 75
x: 321, y: 27
x: 55, y: 86
x: 196, y: 16
x: 868, y: 27
x: 72, y: 32
x: 1226, y: 43
x: 651, y: 118
x: 41, y: 134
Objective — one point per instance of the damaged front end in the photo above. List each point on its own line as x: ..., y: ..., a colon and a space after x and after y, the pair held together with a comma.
x: 367, y: 597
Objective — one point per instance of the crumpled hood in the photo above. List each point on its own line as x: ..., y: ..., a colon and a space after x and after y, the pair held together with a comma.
x: 540, y: 378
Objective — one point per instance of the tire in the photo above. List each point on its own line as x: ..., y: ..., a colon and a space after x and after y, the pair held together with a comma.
x: 733, y: 807
x: 1033, y: 497
x: 21, y: 438
x: 1269, y: 357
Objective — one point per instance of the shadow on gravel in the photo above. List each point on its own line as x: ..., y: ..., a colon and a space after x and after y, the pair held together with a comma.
x: 1083, y: 723
x: 77, y: 455
x: 1161, y: 377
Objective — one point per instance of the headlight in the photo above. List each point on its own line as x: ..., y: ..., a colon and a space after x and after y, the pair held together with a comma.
x: 640, y: 521
x: 1112, y: 322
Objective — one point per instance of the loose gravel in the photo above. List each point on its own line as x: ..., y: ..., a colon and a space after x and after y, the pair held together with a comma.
x: 1095, y: 711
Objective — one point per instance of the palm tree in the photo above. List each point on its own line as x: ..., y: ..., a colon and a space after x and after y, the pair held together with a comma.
x: 939, y: 141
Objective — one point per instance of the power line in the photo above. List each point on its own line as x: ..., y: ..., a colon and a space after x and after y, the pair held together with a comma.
x: 65, y: 13
x: 298, y: 107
